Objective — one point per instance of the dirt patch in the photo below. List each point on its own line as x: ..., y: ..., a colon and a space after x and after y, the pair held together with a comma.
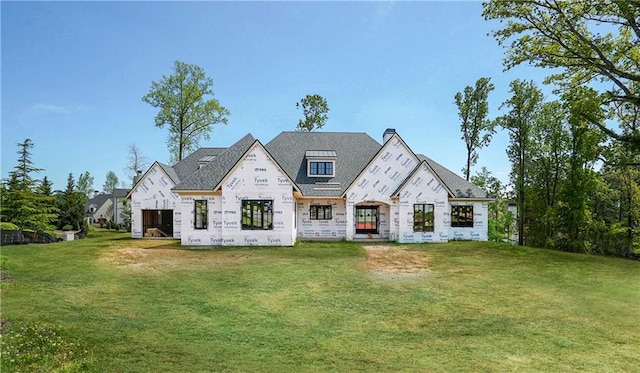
x: 167, y: 259
x: 4, y: 276
x: 394, y: 262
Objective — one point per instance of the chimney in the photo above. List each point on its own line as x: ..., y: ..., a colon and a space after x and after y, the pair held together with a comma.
x: 95, y: 193
x: 387, y: 134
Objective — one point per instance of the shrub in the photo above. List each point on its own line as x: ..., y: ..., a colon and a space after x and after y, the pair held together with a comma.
x: 6, y: 226
x: 67, y: 227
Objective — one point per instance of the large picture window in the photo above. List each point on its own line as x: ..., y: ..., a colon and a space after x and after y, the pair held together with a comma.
x: 462, y: 216
x: 200, y: 210
x: 257, y: 214
x: 318, y: 212
x: 317, y: 168
x: 423, y: 217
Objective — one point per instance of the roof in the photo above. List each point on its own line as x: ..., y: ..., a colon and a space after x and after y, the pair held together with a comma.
x: 320, y: 154
x: 210, y: 175
x: 352, y: 150
x: 189, y: 164
x: 460, y: 187
x: 101, y: 198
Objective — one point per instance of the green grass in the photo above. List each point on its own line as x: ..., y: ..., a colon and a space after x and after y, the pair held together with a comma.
x: 148, y: 306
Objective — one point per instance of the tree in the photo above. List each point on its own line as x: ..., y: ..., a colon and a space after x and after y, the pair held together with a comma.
x: 85, y: 184
x: 46, y: 187
x: 500, y: 218
x: 109, y: 187
x: 136, y: 162
x: 591, y: 41
x: 111, y: 183
x: 25, y: 167
x: 522, y: 106
x: 584, y: 150
x: 71, y: 205
x: 315, y: 110
x: 22, y: 205
x: 473, y: 108
x: 184, y: 107
x: 547, y: 172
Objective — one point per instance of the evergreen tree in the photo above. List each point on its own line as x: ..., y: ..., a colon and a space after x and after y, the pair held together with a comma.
x: 22, y: 206
x: 71, y: 204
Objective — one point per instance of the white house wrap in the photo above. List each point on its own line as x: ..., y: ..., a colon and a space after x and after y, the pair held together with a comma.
x: 307, y: 185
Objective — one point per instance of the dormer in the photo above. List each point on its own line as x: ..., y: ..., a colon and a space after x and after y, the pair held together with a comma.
x: 321, y: 163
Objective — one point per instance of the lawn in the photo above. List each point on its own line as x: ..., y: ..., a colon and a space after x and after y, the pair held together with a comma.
x: 115, y: 304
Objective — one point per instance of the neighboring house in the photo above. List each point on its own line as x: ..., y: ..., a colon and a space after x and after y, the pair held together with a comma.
x: 100, y: 206
x: 307, y: 185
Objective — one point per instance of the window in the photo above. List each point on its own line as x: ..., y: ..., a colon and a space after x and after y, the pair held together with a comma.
x: 317, y: 168
x: 462, y: 216
x: 320, y: 212
x: 201, y: 214
x: 257, y: 214
x: 423, y: 217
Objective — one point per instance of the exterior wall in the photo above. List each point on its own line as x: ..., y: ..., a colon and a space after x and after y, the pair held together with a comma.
x: 153, y: 192
x: 423, y: 187
x: 479, y: 232
x: 389, y: 169
x: 257, y: 177
x: 321, y: 229
x: 201, y: 237
x: 101, y: 211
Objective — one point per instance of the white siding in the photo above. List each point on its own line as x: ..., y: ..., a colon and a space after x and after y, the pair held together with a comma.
x: 334, y: 228
x: 383, y: 176
x: 423, y: 187
x: 153, y: 192
x: 257, y: 177
x: 480, y: 222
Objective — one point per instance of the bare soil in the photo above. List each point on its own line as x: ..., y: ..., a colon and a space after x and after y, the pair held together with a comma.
x: 394, y: 262
x: 167, y: 259
x: 382, y: 260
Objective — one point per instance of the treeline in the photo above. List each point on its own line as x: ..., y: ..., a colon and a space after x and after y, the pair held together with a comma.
x: 575, y: 188
x: 31, y: 204
x: 576, y: 160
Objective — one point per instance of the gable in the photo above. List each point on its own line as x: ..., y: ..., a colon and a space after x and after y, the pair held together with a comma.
x: 154, y: 185
x: 458, y: 187
x: 386, y: 171
x: 422, y: 186
x: 257, y: 171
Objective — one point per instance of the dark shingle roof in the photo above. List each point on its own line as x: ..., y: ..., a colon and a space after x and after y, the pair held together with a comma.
x: 170, y: 171
x: 460, y: 187
x: 211, y: 174
x: 353, y: 152
x: 101, y: 198
x: 189, y: 164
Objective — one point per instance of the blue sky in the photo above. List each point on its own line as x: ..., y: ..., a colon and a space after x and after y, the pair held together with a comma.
x: 73, y: 75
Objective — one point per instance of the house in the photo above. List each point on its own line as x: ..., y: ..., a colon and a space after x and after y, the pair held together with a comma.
x: 100, y: 206
x: 307, y: 185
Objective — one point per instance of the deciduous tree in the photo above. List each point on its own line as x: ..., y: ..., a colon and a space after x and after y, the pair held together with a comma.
x: 137, y: 162
x: 185, y: 108
x: 476, y: 128
x: 585, y: 42
x: 522, y: 108
x: 315, y: 110
x: 85, y: 184
x: 110, y: 183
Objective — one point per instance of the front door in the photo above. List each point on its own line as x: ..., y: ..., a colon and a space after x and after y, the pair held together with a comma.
x: 366, y: 219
